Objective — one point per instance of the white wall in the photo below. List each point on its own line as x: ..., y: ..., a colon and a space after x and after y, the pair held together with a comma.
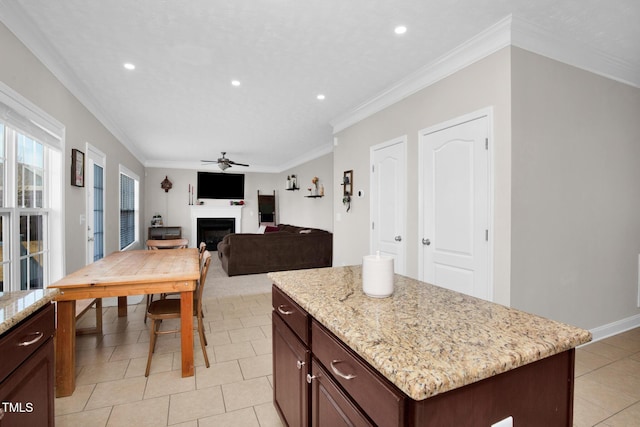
x: 576, y: 193
x: 483, y: 84
x: 25, y: 74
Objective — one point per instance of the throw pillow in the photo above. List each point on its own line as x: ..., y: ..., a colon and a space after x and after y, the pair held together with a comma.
x: 271, y: 229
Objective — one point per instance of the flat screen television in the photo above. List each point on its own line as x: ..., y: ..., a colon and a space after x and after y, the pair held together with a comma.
x: 212, y: 185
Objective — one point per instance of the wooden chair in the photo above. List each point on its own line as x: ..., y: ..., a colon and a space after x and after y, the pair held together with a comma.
x: 163, y: 244
x: 169, y: 308
x: 167, y: 244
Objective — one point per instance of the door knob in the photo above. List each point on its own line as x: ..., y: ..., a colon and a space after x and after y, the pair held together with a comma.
x: 426, y: 242
x: 398, y: 238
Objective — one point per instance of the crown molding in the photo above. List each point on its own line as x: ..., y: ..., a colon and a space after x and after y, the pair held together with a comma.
x: 307, y: 157
x: 533, y: 38
x: 213, y: 167
x: 482, y: 45
x: 317, y: 152
x: 509, y: 31
x: 27, y: 32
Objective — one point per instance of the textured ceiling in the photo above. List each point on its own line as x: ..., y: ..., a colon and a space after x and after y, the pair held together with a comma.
x: 178, y: 105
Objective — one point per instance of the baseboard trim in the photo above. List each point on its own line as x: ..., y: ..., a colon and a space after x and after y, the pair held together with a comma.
x: 614, y: 328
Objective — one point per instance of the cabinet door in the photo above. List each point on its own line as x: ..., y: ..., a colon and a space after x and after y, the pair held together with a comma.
x: 290, y: 367
x: 27, y: 394
x: 330, y: 407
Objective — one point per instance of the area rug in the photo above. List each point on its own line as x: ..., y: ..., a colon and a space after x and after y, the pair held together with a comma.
x: 220, y: 285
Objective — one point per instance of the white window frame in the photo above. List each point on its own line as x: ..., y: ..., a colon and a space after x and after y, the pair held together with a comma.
x: 19, y: 114
x: 128, y: 172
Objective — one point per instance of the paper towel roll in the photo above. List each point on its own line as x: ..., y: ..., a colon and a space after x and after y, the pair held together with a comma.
x: 377, y: 275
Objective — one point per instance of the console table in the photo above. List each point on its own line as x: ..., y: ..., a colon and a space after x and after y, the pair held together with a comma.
x: 164, y: 233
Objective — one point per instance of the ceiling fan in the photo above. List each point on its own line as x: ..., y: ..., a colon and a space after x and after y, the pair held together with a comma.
x: 223, y: 162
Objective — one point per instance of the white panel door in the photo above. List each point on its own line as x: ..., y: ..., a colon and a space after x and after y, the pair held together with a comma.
x: 455, y: 194
x: 388, y: 204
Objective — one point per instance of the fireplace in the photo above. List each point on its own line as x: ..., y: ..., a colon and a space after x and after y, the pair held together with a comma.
x: 218, y: 221
x: 212, y: 230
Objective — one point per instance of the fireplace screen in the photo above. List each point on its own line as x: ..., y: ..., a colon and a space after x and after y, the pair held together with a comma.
x: 212, y: 230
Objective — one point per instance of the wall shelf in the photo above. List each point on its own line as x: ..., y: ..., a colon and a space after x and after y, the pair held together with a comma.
x: 313, y: 196
x: 292, y: 189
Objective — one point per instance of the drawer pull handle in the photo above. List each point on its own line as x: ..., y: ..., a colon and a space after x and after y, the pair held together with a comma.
x: 38, y: 337
x: 338, y: 373
x: 299, y: 364
x: 281, y: 310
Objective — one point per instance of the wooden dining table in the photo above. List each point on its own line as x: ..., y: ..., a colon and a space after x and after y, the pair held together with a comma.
x: 121, y: 274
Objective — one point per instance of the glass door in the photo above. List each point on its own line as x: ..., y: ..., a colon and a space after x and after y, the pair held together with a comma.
x: 95, y: 163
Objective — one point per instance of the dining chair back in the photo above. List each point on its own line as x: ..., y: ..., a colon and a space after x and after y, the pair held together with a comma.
x: 167, y: 244
x: 154, y: 244
x: 169, y: 308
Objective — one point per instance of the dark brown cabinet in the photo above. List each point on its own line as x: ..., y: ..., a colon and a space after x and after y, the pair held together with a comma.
x: 27, y: 372
x: 305, y: 393
x: 330, y: 407
x: 291, y: 360
x: 290, y: 369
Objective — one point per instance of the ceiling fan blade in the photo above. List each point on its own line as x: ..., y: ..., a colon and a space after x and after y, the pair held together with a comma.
x: 231, y: 162
x: 208, y: 161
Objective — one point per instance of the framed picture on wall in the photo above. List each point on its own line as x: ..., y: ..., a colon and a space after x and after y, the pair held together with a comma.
x: 77, y: 168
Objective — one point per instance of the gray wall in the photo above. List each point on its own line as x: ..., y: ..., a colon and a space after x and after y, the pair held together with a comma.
x: 25, y: 74
x: 566, y: 182
x: 483, y: 84
x: 306, y: 212
x: 576, y: 193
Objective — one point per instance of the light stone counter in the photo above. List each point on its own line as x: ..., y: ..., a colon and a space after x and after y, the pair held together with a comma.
x: 18, y: 305
x: 425, y: 339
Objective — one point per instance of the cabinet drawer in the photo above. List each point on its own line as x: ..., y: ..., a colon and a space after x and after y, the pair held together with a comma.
x: 373, y: 393
x: 23, y: 340
x: 330, y: 407
x: 293, y: 315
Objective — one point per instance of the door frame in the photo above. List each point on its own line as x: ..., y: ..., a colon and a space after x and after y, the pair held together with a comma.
x: 484, y: 112
x: 402, y: 140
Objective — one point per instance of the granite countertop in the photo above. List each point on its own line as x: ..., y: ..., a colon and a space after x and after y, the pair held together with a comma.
x: 18, y: 305
x: 425, y: 339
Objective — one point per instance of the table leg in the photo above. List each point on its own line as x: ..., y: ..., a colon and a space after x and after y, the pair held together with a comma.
x: 122, y: 306
x: 186, y: 333
x: 66, y: 348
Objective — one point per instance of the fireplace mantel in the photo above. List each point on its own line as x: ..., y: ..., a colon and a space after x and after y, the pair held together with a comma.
x: 204, y: 211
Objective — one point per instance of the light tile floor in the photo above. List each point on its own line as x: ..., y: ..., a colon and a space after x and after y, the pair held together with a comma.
x: 607, y: 386
x: 237, y: 390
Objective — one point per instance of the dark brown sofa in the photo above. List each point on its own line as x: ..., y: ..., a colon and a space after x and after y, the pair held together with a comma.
x: 289, y: 248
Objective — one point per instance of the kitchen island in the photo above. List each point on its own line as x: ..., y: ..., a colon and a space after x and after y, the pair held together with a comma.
x: 440, y: 357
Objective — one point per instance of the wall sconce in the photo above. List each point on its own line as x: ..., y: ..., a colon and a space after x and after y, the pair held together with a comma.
x: 166, y: 184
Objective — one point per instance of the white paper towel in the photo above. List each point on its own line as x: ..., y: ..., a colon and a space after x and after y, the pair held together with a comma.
x: 377, y: 275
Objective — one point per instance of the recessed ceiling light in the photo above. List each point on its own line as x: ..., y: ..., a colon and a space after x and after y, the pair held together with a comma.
x: 320, y: 97
x: 400, y: 29
x: 129, y: 66
x: 235, y: 82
